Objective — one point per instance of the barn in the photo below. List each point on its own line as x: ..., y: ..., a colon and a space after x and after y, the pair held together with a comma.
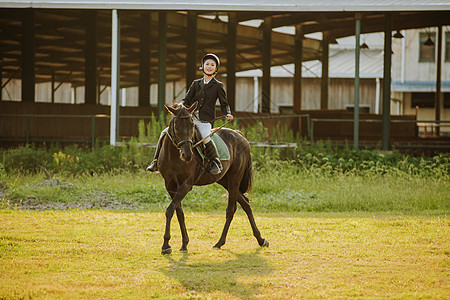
x: 83, y: 70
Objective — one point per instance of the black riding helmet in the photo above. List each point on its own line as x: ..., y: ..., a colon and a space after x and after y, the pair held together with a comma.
x: 213, y: 57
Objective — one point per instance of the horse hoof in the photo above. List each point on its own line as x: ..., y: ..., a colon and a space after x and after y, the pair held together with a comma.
x: 183, y: 251
x: 216, y: 247
x: 265, y: 243
x: 166, y: 251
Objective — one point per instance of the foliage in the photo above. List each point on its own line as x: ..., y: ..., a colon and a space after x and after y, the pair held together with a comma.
x: 318, y: 158
x: 306, y: 178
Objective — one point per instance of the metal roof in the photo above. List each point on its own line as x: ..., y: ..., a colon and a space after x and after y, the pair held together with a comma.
x: 239, y: 5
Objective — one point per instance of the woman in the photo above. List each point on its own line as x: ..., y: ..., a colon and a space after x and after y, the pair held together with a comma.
x: 206, y: 91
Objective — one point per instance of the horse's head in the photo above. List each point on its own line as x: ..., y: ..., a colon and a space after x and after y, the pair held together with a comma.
x: 181, y: 129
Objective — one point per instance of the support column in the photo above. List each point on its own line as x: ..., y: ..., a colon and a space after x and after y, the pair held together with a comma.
x: 437, y: 95
x: 191, y: 46
x: 162, y: 62
x: 1, y: 82
x: 325, y: 75
x: 231, y: 60
x: 356, y: 93
x: 266, y: 63
x: 90, y: 58
x: 144, y: 59
x: 386, y: 117
x: 298, y: 57
x: 53, y: 87
x: 115, y: 78
x: 28, y: 55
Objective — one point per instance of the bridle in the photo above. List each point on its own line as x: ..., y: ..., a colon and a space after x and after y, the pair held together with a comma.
x: 179, y: 144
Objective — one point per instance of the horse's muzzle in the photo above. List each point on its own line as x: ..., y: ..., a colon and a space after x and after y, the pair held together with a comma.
x: 186, y: 152
x: 187, y: 157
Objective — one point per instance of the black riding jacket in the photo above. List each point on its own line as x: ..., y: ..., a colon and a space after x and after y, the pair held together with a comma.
x: 207, y: 96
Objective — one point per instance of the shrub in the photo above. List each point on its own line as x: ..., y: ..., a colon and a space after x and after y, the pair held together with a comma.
x: 321, y: 158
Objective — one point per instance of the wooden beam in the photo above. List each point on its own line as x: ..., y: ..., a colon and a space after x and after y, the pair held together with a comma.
x: 28, y: 55
x: 191, y: 46
x: 357, y: 85
x: 386, y: 117
x: 144, y: 59
x: 231, y: 60
x: 437, y: 95
x: 298, y: 57
x: 266, y: 63
x: 162, y: 19
x: 90, y: 65
x: 325, y: 72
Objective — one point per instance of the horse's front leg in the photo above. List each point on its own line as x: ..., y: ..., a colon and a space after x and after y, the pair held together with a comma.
x: 177, y: 194
x: 184, y: 234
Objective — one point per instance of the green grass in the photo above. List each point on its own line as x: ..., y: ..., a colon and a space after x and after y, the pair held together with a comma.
x: 277, y: 188
x: 93, y: 254
x: 340, y: 225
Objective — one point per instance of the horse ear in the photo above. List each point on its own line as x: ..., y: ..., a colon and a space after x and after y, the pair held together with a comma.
x: 193, y: 107
x: 172, y: 110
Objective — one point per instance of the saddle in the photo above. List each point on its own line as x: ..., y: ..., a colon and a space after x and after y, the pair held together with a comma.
x: 222, y: 149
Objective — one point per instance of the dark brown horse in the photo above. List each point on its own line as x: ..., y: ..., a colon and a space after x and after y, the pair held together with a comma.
x: 181, y: 169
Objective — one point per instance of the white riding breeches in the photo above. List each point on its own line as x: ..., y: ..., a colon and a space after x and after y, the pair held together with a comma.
x: 204, y: 128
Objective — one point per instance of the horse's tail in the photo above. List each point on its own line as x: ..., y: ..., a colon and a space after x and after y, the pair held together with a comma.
x: 247, y: 180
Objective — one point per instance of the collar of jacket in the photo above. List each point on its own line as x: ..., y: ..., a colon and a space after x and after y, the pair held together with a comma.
x: 210, y: 83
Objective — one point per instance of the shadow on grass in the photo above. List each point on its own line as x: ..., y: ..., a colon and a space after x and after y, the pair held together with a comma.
x: 235, y: 276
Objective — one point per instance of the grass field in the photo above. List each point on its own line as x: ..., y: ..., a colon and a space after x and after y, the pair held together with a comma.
x: 86, y: 254
x: 88, y: 224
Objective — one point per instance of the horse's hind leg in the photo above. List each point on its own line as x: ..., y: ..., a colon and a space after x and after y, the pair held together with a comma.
x: 245, y: 203
x: 184, y: 234
x: 231, y: 209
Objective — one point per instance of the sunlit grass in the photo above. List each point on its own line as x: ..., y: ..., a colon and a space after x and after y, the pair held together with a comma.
x: 102, y: 254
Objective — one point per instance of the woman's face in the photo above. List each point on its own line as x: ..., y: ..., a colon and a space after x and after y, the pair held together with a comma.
x: 209, y: 67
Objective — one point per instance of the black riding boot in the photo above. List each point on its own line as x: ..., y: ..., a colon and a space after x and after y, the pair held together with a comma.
x: 211, y: 153
x: 153, y: 167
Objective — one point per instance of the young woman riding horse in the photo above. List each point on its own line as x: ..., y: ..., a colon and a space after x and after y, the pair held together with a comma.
x: 182, y: 168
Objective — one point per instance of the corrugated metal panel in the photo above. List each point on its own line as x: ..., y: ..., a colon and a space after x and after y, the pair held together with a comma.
x: 342, y: 65
x: 238, y: 5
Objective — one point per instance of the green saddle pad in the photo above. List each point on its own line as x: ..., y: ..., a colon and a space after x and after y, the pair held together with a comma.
x: 222, y: 149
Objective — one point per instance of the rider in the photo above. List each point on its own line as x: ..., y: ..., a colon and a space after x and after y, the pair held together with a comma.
x: 206, y: 91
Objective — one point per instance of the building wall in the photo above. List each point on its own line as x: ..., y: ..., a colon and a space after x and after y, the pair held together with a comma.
x: 341, y: 92
x: 415, y: 70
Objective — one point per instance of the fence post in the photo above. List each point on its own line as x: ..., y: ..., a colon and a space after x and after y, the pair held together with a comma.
x: 308, y: 125
x: 93, y: 132
x: 27, y: 137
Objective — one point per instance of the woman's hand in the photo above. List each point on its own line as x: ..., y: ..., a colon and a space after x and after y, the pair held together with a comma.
x: 230, y: 117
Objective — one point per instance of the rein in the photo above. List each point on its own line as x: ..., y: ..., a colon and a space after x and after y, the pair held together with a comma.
x: 181, y: 143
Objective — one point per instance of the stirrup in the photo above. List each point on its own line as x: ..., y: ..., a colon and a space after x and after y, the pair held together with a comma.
x: 216, y: 167
x: 153, y: 167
